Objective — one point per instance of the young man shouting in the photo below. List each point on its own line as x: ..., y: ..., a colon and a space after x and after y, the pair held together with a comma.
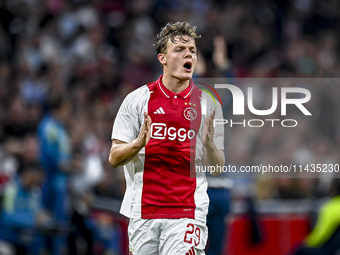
x: 161, y: 136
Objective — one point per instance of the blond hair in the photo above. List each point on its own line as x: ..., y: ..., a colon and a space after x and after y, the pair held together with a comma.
x: 171, y: 30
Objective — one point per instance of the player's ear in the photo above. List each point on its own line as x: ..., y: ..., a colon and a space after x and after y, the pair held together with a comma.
x: 162, y: 59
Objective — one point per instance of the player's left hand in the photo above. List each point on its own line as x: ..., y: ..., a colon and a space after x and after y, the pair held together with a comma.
x: 208, y: 131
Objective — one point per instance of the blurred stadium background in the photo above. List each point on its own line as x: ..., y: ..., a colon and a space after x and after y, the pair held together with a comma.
x: 94, y: 52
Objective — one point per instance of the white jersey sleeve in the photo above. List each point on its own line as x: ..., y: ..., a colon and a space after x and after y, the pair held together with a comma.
x: 212, y: 105
x: 218, y: 129
x: 209, y: 106
x: 130, y: 116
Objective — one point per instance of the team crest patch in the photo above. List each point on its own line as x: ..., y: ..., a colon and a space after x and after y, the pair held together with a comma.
x: 190, y: 113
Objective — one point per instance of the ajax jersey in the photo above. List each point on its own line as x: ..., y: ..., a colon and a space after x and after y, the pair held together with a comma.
x: 161, y: 181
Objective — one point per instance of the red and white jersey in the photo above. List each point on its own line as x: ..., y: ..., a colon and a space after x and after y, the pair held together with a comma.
x: 158, y: 179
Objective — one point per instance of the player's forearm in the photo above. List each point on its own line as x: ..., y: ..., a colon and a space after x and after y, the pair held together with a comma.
x: 123, y: 153
x: 213, y: 157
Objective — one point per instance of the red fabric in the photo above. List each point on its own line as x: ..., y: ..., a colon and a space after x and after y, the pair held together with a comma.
x: 168, y: 187
x: 281, y: 235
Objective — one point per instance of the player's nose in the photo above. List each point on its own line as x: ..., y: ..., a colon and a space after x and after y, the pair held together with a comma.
x: 187, y: 53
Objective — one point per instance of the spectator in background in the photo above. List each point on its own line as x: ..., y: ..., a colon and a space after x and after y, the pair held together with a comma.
x: 107, y: 233
x: 81, y: 184
x: 15, y: 127
x: 55, y: 158
x: 325, y: 237
x: 80, y: 199
x: 23, y: 212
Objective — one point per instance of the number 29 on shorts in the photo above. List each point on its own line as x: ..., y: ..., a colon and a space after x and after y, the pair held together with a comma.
x: 192, y: 235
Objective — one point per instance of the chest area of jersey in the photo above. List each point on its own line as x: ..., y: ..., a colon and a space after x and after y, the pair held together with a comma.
x: 175, y: 118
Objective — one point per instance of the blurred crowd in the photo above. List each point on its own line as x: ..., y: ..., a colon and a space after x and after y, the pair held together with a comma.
x: 91, y: 53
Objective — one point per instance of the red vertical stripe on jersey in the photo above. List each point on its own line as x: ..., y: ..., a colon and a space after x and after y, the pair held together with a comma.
x: 168, y: 189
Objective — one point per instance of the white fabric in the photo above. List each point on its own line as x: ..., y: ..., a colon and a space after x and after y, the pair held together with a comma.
x: 127, y: 127
x: 167, y: 236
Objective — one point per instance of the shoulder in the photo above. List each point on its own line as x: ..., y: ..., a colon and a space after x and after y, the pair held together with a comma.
x: 49, y: 128
x: 203, y: 94
x: 210, y: 100
x: 135, y: 100
x: 138, y: 95
x: 45, y: 120
x: 143, y: 90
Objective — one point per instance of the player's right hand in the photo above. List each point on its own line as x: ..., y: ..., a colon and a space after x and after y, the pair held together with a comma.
x: 145, y: 133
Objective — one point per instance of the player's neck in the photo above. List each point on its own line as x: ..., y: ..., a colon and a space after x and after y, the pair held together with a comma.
x: 174, y: 84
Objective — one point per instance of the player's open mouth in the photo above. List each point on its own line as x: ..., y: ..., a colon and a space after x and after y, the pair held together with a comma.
x: 187, y: 66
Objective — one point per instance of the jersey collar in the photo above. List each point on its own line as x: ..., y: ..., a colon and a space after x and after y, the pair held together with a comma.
x: 167, y: 93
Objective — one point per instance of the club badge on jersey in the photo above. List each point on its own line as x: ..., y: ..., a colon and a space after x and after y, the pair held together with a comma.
x: 190, y: 113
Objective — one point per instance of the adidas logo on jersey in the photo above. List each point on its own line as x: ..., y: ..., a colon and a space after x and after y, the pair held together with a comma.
x: 191, y: 251
x: 159, y: 111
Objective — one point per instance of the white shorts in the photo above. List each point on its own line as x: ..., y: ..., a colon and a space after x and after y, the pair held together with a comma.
x: 167, y: 236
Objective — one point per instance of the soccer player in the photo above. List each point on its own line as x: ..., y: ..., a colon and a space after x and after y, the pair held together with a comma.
x: 163, y: 132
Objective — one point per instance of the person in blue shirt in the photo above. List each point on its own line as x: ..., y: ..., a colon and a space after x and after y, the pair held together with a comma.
x: 23, y: 213
x: 55, y: 158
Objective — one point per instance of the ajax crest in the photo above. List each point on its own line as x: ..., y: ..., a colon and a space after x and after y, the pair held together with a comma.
x: 190, y: 113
